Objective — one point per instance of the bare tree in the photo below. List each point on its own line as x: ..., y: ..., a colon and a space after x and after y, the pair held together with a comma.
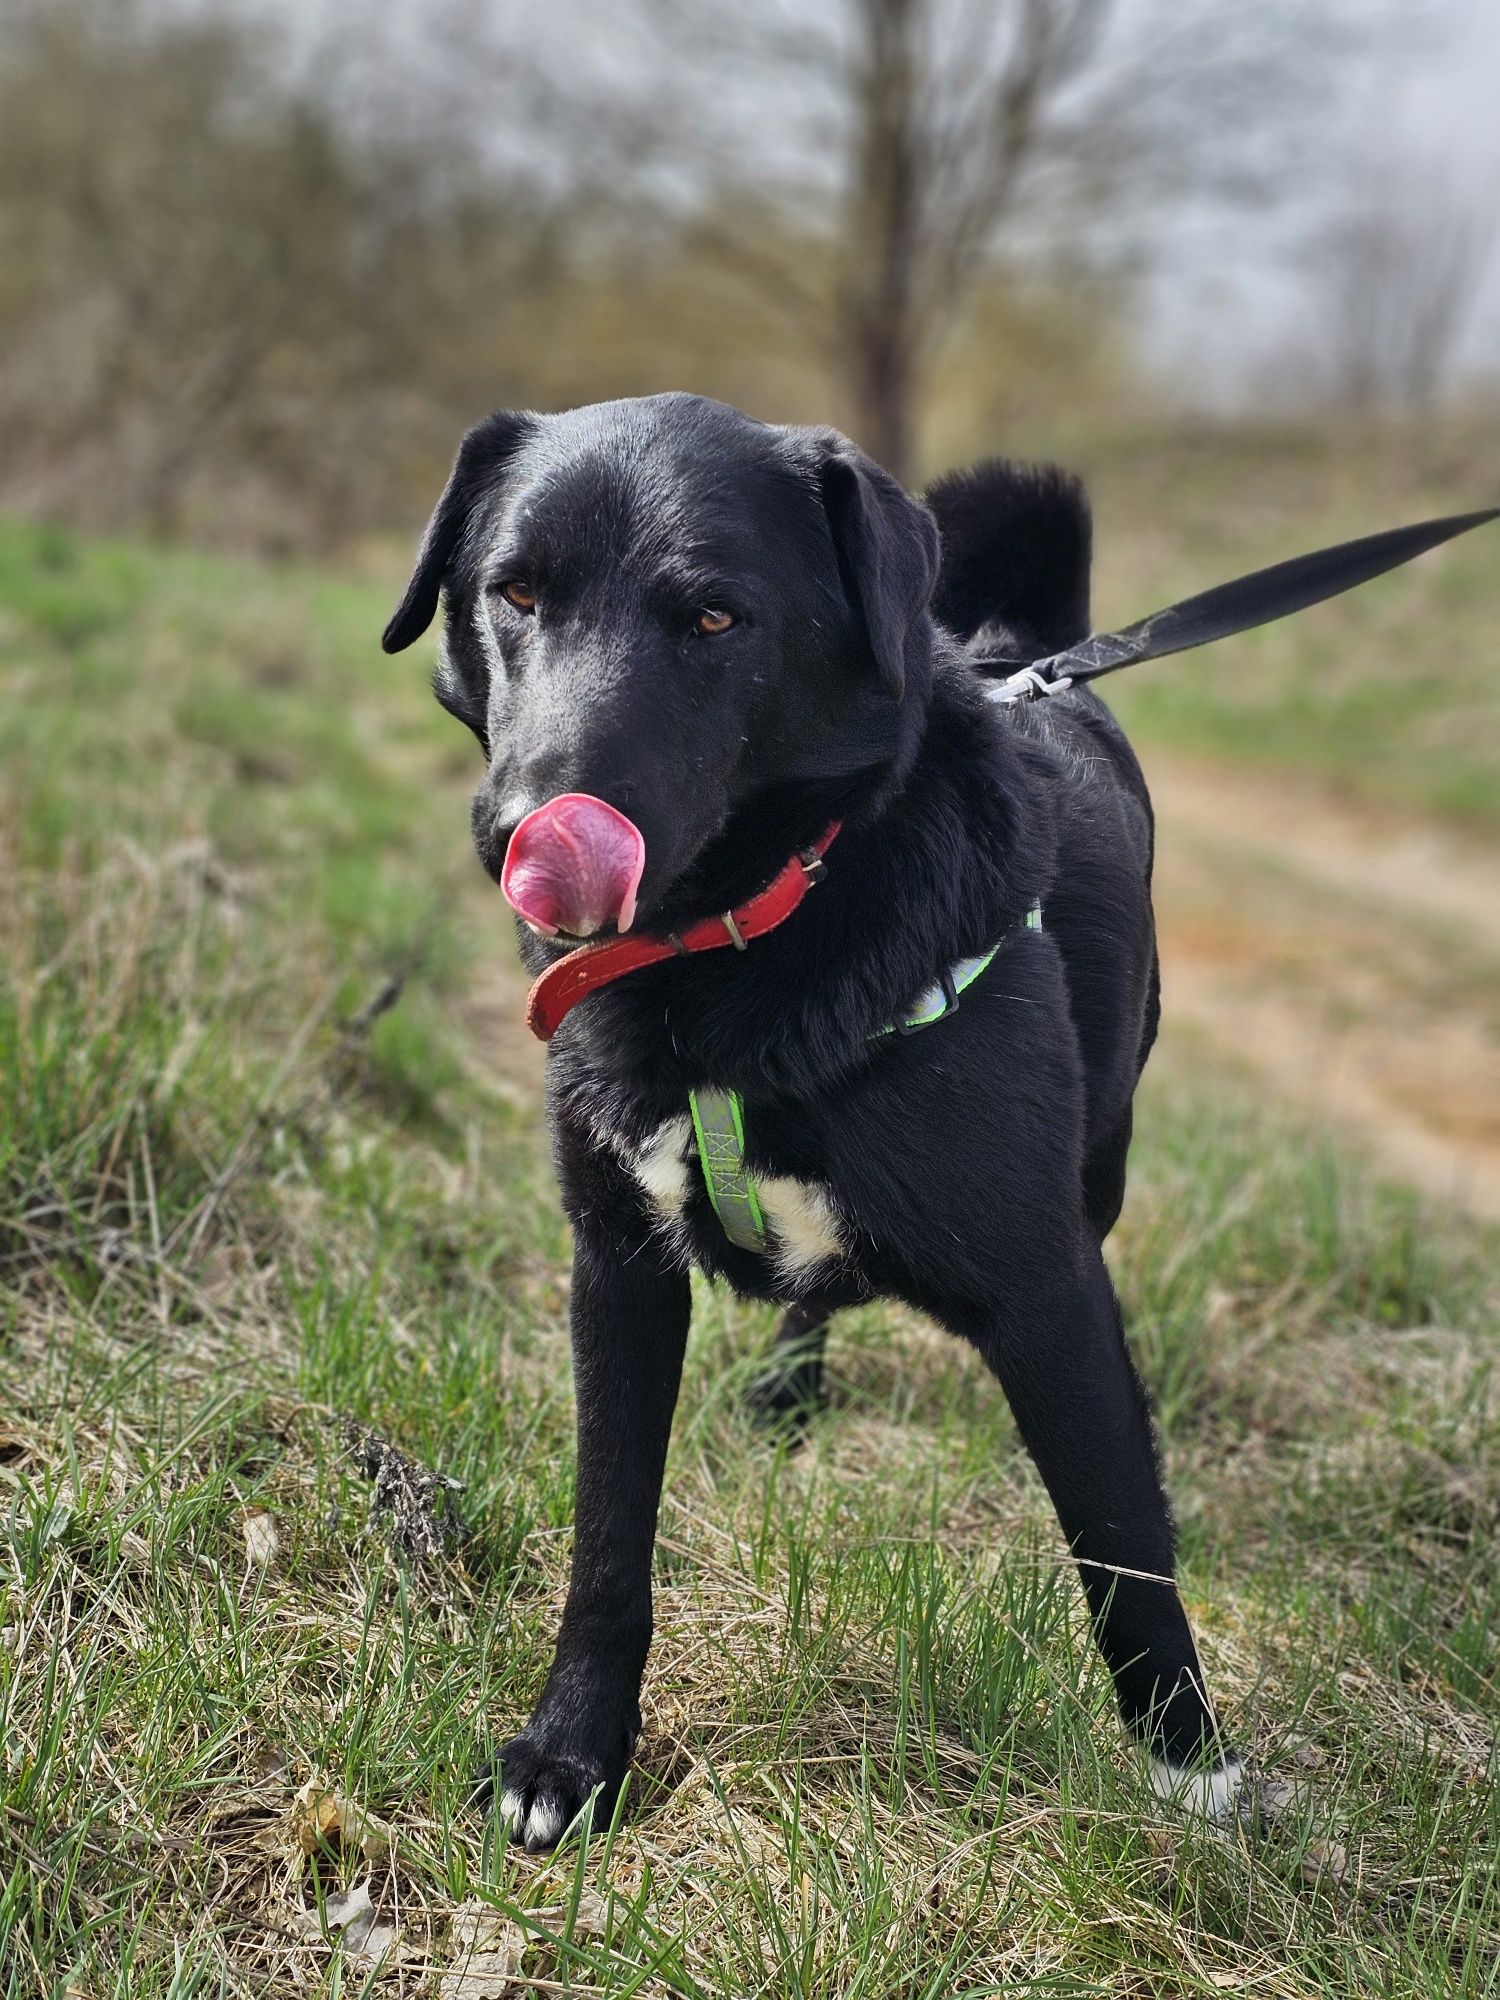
x: 898, y: 148
x: 250, y: 281
x: 1394, y: 277
x: 939, y: 150
x: 217, y: 293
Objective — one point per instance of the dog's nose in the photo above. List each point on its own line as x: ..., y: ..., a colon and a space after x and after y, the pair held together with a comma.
x: 506, y: 814
x: 517, y: 785
x: 494, y: 821
x: 511, y: 790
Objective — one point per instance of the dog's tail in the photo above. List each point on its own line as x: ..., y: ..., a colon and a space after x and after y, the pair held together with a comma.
x: 1017, y: 541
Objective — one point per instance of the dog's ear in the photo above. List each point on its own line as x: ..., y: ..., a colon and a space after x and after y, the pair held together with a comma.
x: 483, y: 452
x: 888, y: 553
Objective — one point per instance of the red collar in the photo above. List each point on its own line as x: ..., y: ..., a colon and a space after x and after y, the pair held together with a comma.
x: 582, y: 972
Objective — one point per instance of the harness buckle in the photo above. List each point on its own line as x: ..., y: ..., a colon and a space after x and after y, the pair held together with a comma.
x: 736, y: 935
x: 950, y: 999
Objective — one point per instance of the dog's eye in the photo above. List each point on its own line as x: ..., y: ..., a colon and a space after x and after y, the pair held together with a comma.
x: 518, y: 595
x: 710, y: 623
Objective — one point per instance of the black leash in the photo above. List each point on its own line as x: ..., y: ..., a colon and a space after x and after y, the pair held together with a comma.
x: 1257, y: 599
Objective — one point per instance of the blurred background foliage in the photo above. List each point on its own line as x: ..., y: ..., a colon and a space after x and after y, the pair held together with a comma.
x: 259, y: 265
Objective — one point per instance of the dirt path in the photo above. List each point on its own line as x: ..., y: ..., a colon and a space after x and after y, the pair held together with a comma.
x: 1350, y: 959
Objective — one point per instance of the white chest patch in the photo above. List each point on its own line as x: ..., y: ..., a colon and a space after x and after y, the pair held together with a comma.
x: 803, y: 1226
x: 661, y: 1166
x: 800, y: 1217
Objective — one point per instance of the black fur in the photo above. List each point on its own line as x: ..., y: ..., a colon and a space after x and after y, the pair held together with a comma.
x: 974, y: 1168
x: 1017, y: 541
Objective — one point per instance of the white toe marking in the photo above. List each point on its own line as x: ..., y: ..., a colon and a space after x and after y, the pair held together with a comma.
x: 1212, y: 1793
x: 512, y: 1806
x: 544, y: 1824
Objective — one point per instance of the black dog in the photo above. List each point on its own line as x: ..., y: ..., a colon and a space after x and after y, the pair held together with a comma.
x: 691, y: 644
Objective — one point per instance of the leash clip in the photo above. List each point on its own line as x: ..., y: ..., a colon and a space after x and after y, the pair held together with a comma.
x: 1027, y: 685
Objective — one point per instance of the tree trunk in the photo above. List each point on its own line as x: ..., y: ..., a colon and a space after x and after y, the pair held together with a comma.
x: 881, y: 317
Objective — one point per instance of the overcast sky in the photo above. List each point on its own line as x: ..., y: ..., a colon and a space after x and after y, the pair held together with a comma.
x: 1427, y: 93
x: 1227, y: 311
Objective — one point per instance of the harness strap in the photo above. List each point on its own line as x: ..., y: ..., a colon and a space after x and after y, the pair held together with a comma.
x: 940, y: 999
x: 719, y: 1127
x: 719, y: 1115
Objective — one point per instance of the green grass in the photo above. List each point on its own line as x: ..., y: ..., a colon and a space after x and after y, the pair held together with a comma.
x: 237, y: 1203
x: 1392, y: 692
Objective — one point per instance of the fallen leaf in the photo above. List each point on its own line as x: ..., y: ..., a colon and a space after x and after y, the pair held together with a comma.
x: 323, y: 1819
x: 361, y: 1829
x: 315, y: 1816
x: 262, y: 1542
x: 352, y: 1913
x: 269, y: 1763
x: 591, y: 1918
x: 487, y: 1949
x: 1325, y: 1857
x: 351, y: 1918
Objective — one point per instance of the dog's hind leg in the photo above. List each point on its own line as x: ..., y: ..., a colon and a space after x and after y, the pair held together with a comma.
x: 789, y: 1391
x: 1061, y: 1358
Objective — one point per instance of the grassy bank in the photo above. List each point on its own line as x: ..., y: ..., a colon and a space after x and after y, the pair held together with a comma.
x: 1391, y: 694
x: 269, y: 1159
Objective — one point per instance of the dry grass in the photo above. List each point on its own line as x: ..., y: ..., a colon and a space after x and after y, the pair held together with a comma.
x: 243, y: 1202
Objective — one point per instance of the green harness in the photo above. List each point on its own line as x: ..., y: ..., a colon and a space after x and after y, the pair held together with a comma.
x: 719, y: 1115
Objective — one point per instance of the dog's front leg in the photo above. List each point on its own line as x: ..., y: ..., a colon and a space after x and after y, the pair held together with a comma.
x: 630, y: 1314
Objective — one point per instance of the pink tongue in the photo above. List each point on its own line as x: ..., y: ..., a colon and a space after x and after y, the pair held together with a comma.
x: 573, y: 865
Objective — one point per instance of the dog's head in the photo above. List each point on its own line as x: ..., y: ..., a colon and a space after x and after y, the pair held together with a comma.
x: 657, y: 611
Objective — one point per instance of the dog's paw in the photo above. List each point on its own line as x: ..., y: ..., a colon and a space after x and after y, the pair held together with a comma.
x: 540, y: 1791
x: 1214, y: 1792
